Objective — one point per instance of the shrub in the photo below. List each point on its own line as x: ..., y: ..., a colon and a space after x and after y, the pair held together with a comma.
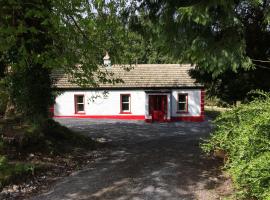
x: 244, y: 134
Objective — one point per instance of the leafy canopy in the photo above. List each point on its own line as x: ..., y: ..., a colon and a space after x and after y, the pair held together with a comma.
x: 227, y: 40
x: 215, y: 35
x: 38, y: 36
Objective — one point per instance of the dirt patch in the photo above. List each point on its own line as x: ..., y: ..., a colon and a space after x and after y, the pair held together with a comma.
x: 49, y: 169
x: 42, y: 156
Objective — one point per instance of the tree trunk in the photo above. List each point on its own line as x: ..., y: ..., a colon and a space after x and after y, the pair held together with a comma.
x: 10, y: 109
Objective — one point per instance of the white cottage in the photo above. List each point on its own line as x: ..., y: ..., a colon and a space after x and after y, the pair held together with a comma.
x: 150, y: 92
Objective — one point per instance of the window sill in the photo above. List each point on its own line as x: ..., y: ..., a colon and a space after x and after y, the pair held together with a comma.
x: 182, y: 112
x: 125, y: 113
x: 80, y: 113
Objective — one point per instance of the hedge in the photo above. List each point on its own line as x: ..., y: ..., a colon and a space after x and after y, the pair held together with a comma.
x: 244, y: 134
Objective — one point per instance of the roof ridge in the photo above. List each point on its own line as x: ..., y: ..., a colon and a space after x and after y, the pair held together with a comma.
x: 151, y: 64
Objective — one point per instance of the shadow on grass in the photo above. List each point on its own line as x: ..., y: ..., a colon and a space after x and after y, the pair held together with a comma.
x: 21, y: 143
x: 212, y: 114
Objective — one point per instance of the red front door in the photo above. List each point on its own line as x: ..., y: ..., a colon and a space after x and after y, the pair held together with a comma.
x: 158, y: 107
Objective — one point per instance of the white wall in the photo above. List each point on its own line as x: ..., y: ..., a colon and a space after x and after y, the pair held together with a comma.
x: 194, y: 102
x: 98, y: 103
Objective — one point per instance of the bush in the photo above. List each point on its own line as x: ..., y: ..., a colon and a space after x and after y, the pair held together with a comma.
x: 244, y: 134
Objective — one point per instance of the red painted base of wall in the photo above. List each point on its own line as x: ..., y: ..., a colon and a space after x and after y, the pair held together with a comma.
x: 124, y: 117
x: 134, y: 117
x: 183, y: 119
x: 189, y: 119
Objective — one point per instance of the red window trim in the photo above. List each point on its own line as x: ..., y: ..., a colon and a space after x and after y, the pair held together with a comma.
x: 202, y: 102
x: 75, y: 104
x: 121, y: 109
x: 51, y: 111
x: 182, y: 111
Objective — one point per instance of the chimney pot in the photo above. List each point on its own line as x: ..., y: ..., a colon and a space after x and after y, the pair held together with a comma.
x: 106, y: 60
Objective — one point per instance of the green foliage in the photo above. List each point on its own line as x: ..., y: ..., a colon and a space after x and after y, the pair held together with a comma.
x: 227, y: 40
x: 216, y: 35
x: 25, y: 88
x: 232, y: 86
x: 10, y: 172
x: 143, y: 50
x: 146, y: 46
x: 38, y: 36
x: 243, y: 133
x: 25, y: 48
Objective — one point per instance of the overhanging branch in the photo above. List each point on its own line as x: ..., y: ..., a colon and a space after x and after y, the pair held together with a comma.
x: 262, y: 61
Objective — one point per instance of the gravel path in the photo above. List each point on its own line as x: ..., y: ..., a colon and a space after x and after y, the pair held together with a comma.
x: 144, y: 161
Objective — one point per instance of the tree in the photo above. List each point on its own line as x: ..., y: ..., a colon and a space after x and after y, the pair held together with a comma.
x: 228, y: 86
x: 220, y: 37
x: 38, y: 36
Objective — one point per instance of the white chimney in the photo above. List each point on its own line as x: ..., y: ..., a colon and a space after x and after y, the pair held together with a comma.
x: 106, y: 60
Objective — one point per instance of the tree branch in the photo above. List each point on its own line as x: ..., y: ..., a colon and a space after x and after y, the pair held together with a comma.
x: 78, y: 27
x: 263, y: 61
x: 260, y: 66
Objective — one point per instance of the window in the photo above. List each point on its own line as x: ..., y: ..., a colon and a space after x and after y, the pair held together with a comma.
x: 125, y: 103
x: 182, y: 102
x: 79, y: 104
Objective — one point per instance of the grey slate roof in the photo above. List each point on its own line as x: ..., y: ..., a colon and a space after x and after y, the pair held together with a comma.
x: 139, y: 76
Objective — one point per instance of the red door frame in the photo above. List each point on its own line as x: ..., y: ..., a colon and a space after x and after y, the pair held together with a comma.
x: 160, y: 114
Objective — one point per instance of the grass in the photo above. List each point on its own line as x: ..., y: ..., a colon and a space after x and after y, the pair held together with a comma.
x: 13, y: 172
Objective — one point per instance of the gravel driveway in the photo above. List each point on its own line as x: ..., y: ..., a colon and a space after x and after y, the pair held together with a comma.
x: 144, y: 161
